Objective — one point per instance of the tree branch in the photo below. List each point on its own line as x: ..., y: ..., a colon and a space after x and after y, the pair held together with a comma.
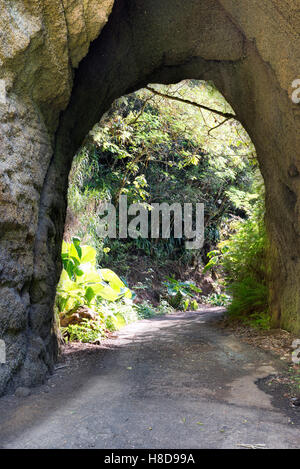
x: 226, y: 115
x: 141, y: 111
x: 219, y: 125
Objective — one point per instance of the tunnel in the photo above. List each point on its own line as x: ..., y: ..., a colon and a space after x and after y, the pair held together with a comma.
x: 250, y: 50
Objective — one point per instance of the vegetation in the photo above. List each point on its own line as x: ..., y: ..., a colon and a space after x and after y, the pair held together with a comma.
x: 82, y: 284
x: 157, y: 149
x: 217, y: 299
x: 242, y: 257
x: 85, y: 332
x: 180, y: 294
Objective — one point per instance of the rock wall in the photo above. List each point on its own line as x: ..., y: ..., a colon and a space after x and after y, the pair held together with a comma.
x: 40, y: 44
x: 250, y: 49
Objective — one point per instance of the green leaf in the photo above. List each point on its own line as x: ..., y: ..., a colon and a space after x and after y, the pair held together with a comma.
x: 88, y: 255
x: 115, y: 282
x: 76, y: 243
x: 89, y: 294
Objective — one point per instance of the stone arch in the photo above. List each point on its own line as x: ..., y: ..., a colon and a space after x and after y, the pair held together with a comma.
x: 250, y: 52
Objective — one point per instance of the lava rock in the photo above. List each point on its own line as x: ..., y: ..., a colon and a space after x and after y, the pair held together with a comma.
x: 22, y: 392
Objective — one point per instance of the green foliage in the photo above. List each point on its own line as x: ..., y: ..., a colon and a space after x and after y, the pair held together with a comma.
x: 245, y: 251
x: 217, y: 299
x: 156, y: 150
x: 243, y: 259
x: 119, y: 314
x: 112, y: 317
x: 248, y: 296
x: 81, y: 283
x: 86, y: 332
x: 180, y: 293
x: 258, y: 320
x: 194, y: 305
x: 184, y: 288
x: 146, y: 310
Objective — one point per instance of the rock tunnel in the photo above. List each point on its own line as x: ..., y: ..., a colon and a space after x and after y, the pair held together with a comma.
x: 63, y: 64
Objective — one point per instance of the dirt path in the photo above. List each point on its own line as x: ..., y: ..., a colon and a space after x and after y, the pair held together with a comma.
x: 173, y: 382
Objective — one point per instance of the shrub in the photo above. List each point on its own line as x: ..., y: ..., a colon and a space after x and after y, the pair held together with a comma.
x: 81, y: 283
x: 180, y: 294
x: 146, y: 310
x: 248, y: 296
x: 119, y: 314
x: 217, y: 299
x: 86, y: 332
x: 243, y: 260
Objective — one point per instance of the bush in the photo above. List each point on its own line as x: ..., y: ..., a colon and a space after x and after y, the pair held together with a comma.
x: 259, y: 320
x: 243, y: 260
x: 146, y: 310
x: 217, y: 299
x: 248, y: 296
x: 81, y: 283
x: 180, y: 294
x: 119, y: 314
x: 244, y: 253
x: 86, y: 332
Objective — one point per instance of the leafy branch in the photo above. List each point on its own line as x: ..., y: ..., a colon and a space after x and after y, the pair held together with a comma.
x: 226, y: 115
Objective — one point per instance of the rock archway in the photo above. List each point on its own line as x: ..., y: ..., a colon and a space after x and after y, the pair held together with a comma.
x: 251, y: 50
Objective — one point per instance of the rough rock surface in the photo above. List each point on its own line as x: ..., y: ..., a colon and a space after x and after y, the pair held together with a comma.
x: 77, y: 316
x: 22, y: 392
x: 250, y: 49
x: 40, y: 43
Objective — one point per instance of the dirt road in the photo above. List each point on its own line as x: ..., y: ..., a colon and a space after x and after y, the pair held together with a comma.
x: 178, y: 381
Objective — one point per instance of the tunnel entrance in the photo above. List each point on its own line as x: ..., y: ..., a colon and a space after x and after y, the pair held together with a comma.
x: 163, y: 165
x: 247, y: 57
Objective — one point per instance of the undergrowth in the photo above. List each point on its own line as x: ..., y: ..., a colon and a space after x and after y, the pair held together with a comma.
x: 155, y: 150
x: 242, y: 257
